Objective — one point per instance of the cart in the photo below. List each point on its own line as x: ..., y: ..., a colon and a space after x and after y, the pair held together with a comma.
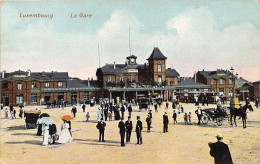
x: 211, y: 114
x: 31, y: 117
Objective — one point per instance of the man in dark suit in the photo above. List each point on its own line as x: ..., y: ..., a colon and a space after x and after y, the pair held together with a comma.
x: 199, y: 114
x: 121, y: 127
x: 130, y: 110
x: 129, y: 127
x: 138, y: 129
x: 101, y: 127
x: 83, y: 108
x: 74, y: 110
x: 165, y: 122
x: 220, y: 151
x: 122, y: 109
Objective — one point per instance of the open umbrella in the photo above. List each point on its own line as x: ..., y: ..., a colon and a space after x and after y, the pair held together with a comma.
x: 44, y: 115
x: 47, y: 120
x: 67, y: 118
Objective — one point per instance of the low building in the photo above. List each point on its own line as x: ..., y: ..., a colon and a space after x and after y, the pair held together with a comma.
x: 256, y: 94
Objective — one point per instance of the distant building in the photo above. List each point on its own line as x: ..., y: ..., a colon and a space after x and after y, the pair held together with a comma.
x: 256, y: 86
x: 221, y: 81
x: 36, y: 88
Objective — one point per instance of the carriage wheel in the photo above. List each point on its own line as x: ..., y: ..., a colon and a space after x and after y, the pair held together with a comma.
x: 204, y: 119
x: 219, y: 121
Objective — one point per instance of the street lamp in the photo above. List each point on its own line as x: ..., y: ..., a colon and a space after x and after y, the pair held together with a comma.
x: 232, y: 77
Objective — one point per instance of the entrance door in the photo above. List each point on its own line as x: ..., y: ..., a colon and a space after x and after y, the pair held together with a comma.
x: 5, y: 99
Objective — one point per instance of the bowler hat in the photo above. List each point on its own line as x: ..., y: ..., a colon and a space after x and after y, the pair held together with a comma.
x: 219, y: 135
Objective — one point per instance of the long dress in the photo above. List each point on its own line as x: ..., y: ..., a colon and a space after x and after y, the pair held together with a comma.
x: 64, y: 136
x: 39, y: 123
x: 45, y: 135
x: 99, y: 115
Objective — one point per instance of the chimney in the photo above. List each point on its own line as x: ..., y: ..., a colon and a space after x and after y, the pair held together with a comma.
x: 3, y: 74
x: 52, y: 74
x: 43, y: 73
x: 114, y: 65
x: 195, y: 77
x: 88, y: 82
x: 29, y: 72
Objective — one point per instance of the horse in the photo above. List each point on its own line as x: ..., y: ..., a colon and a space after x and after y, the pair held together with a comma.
x: 241, y: 112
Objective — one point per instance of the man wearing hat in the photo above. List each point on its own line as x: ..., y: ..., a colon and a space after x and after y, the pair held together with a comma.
x: 199, y: 114
x: 220, y: 151
x: 101, y: 127
x: 138, y: 129
x: 121, y: 126
x: 129, y: 127
x: 165, y: 122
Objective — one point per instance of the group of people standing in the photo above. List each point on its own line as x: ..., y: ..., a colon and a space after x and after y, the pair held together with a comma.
x: 11, y: 112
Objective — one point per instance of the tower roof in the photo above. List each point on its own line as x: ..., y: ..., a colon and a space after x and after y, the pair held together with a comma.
x: 131, y: 56
x: 156, y: 54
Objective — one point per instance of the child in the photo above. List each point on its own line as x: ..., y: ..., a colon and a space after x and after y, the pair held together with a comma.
x: 185, y: 118
x: 174, y: 116
x: 110, y: 115
x: 87, y: 116
x: 189, y: 118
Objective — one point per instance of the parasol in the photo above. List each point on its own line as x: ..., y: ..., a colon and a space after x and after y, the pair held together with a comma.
x: 47, y: 120
x: 67, y: 118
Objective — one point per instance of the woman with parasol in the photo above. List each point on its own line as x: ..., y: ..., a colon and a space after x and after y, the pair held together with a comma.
x: 65, y: 135
x: 46, y: 122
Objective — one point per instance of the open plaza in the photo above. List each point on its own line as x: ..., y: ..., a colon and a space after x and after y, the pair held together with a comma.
x: 182, y: 144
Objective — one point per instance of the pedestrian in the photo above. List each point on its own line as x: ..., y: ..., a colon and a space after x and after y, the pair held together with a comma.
x: 148, y: 121
x: 138, y: 129
x: 83, y: 108
x: 122, y: 109
x: 65, y: 133
x: 173, y: 105
x: 189, y: 118
x: 106, y: 113
x: 167, y: 104
x: 39, y: 125
x: 99, y: 114
x: 21, y: 112
x: 121, y: 127
x: 151, y: 115
x: 52, y: 131
x: 101, y: 127
x: 155, y: 107
x: 74, y: 111
x: 129, y: 127
x: 130, y: 110
x: 199, y: 114
x: 14, y: 113
x: 46, y: 135
x: 110, y: 116
x: 185, y: 118
x: 87, y: 116
x: 256, y: 102
x: 6, y: 113
x: 174, y: 116
x: 207, y: 101
x: 165, y: 122
x: 220, y: 151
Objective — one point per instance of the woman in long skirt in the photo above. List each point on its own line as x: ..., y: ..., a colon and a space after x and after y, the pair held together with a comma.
x: 45, y: 134
x: 39, y: 123
x: 65, y: 135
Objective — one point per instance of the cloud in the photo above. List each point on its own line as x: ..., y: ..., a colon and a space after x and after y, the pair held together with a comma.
x: 196, y: 45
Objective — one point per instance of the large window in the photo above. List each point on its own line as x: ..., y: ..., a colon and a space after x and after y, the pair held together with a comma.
x: 109, y: 79
x: 221, y: 91
x: 19, y: 99
x: 19, y: 86
x: 121, y: 78
x: 229, y: 81
x: 5, y: 85
x: 47, y: 84
x: 33, y: 85
x: 221, y: 81
x: 159, y: 79
x: 159, y: 68
x: 230, y: 91
x: 59, y: 84
x: 86, y: 96
x: 33, y: 98
x: 212, y: 81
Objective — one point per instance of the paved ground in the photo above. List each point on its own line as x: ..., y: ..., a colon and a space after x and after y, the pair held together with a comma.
x: 182, y: 144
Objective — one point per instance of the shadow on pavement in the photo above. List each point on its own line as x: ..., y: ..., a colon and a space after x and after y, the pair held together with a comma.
x: 24, y: 134
x: 21, y: 127
x: 32, y: 142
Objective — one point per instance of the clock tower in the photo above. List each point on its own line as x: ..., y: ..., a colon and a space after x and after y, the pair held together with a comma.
x: 131, y: 60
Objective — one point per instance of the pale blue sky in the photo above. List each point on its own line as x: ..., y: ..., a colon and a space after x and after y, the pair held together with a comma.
x: 196, y: 32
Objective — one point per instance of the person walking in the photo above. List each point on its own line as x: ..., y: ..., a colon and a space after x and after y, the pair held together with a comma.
x: 174, y: 116
x: 21, y: 112
x: 101, y: 127
x: 130, y: 109
x: 14, y: 113
x: 167, y: 104
x: 121, y: 126
x: 173, y: 105
x: 65, y: 134
x: 99, y: 114
x: 220, y: 151
x: 189, y: 118
x: 148, y: 121
x: 185, y: 117
x: 106, y: 113
x: 199, y: 114
x: 128, y: 128
x: 151, y: 116
x: 46, y: 135
x: 138, y: 129
x: 122, y: 109
x: 83, y: 108
x: 155, y: 107
x: 39, y: 125
x: 256, y: 102
x: 87, y: 116
x: 74, y: 111
x: 165, y: 122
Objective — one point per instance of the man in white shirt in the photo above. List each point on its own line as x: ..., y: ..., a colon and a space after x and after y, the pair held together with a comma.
x: 199, y: 114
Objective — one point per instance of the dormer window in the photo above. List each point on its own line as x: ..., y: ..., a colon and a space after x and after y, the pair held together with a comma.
x: 221, y: 81
x: 59, y: 84
x: 159, y: 68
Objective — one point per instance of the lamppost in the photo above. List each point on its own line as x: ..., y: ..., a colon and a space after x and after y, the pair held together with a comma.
x: 232, y: 78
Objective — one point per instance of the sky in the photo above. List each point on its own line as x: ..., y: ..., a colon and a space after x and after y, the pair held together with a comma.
x: 193, y: 35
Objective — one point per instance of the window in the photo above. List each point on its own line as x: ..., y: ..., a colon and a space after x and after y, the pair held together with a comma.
x: 159, y: 79
x: 230, y: 91
x: 34, y: 98
x: 19, y: 99
x: 109, y: 79
x: 5, y: 85
x: 60, y: 96
x: 59, y: 84
x: 221, y: 81
x: 212, y: 81
x: 159, y: 68
x: 19, y: 86
x: 121, y: 78
x: 221, y: 91
x: 132, y: 77
x: 229, y: 81
x: 86, y: 96
x: 47, y: 85
x: 33, y: 85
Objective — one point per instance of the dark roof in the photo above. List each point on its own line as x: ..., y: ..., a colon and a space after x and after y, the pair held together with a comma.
x: 131, y: 56
x: 256, y: 82
x: 108, y: 69
x: 220, y: 73
x: 50, y: 76
x: 171, y: 73
x: 75, y: 83
x: 156, y: 54
x: 188, y: 81
x: 241, y: 80
x: 245, y: 86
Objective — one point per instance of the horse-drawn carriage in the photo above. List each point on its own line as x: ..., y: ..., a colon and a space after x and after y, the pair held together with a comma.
x: 143, y: 103
x: 218, y: 115
x: 31, y: 117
